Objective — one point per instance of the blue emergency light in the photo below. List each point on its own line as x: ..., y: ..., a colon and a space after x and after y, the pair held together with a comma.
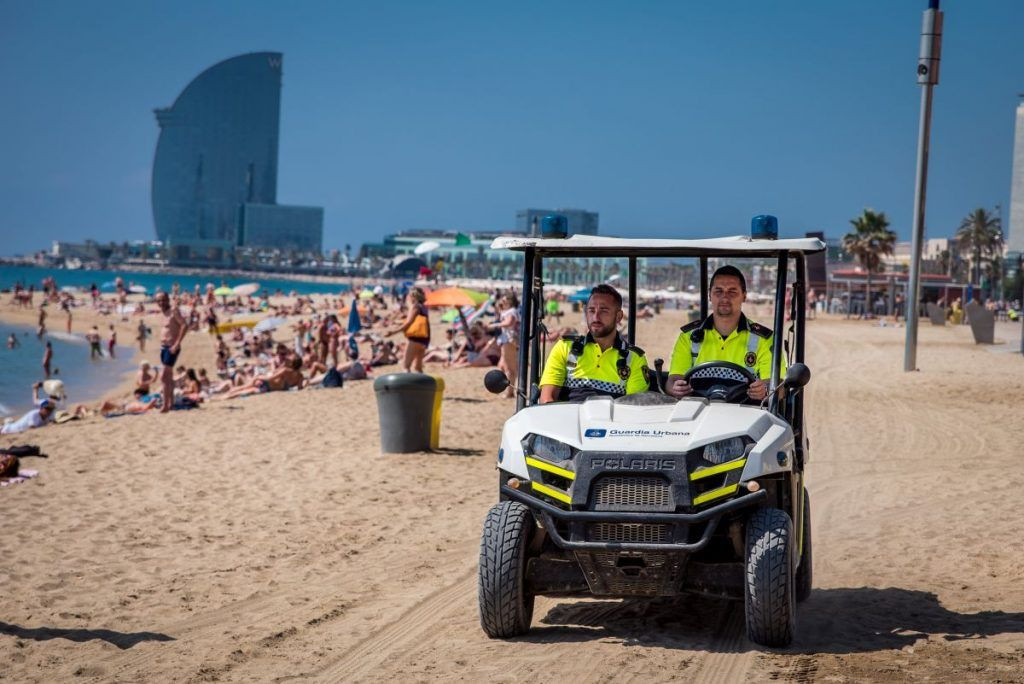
x: 554, y: 226
x: 764, y: 227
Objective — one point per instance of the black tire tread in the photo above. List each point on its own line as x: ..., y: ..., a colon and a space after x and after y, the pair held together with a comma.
x: 805, y: 573
x: 506, y: 608
x: 769, y: 598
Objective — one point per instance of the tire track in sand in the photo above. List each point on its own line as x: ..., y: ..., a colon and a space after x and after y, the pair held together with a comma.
x: 409, y: 627
x: 730, y: 655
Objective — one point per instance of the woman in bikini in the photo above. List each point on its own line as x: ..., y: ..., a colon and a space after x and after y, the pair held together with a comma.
x: 416, y: 328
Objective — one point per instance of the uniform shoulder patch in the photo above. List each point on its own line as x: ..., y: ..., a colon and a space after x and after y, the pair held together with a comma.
x: 760, y: 330
x: 691, y: 326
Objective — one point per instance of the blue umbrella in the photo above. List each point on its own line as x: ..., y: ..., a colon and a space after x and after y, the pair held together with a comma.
x: 580, y: 295
x: 354, y: 324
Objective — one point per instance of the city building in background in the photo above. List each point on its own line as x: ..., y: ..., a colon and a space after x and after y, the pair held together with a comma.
x: 580, y: 221
x: 214, y: 185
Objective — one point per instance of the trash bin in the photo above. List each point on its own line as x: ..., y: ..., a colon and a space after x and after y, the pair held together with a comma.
x: 409, y: 405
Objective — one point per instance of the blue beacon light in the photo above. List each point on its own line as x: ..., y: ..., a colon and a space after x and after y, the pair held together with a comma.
x: 554, y: 226
x: 764, y: 227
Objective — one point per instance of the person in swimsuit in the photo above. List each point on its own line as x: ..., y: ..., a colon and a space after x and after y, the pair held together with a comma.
x: 417, y: 344
x: 173, y: 332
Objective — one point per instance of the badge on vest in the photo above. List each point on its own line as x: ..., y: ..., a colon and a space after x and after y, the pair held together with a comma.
x: 750, y: 359
x: 624, y: 372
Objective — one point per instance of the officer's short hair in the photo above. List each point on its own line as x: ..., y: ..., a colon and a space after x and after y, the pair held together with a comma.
x: 604, y: 289
x: 729, y: 271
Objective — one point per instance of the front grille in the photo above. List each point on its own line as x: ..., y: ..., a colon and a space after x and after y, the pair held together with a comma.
x: 633, y: 493
x: 638, y: 533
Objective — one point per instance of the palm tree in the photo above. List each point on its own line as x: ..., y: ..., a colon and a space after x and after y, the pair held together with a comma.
x: 868, y: 242
x: 980, y: 236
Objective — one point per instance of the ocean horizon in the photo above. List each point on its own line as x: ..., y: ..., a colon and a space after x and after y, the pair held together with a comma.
x: 104, y: 279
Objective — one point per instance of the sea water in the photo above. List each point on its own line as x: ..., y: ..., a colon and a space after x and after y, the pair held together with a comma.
x: 84, y: 379
x: 84, y: 279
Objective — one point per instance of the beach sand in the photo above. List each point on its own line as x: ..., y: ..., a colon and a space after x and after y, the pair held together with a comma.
x: 267, y: 539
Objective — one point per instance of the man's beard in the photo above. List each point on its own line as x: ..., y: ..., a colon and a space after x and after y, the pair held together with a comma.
x: 598, y: 330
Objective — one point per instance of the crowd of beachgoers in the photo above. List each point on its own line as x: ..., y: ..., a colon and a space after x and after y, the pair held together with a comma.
x: 268, y: 342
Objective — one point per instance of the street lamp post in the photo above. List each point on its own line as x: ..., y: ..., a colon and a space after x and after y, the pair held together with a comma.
x: 927, y: 76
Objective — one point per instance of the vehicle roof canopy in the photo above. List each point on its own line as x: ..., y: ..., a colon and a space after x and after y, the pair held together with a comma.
x: 595, y: 246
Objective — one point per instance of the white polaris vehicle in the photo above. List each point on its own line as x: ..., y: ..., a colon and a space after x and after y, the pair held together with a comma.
x: 646, y: 495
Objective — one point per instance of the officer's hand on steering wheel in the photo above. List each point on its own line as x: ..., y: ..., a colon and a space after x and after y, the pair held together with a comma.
x: 679, y: 388
x: 723, y: 381
x: 757, y: 390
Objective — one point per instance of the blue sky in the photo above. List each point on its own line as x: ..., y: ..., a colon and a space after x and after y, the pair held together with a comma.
x: 669, y: 118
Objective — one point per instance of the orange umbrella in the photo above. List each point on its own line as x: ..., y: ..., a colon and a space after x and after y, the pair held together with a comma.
x: 454, y: 296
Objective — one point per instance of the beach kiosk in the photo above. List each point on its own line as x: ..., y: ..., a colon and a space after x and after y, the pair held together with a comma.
x: 646, y: 495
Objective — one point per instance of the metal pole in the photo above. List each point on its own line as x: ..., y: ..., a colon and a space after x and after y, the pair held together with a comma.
x: 631, y: 324
x: 524, y: 330
x: 703, y: 287
x: 780, y: 321
x: 928, y: 76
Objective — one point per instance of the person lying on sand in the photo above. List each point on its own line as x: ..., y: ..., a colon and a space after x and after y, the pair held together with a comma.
x: 278, y: 381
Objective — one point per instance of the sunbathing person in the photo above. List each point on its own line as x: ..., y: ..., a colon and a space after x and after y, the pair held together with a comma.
x: 480, y: 349
x: 141, y: 402
x: 278, y: 381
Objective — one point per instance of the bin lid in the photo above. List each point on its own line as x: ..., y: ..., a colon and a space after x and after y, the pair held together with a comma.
x: 397, y: 382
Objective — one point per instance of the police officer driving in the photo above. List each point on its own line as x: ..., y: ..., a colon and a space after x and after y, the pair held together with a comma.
x: 599, y: 363
x: 725, y: 335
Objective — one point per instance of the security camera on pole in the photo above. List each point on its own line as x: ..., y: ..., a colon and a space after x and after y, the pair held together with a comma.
x: 927, y: 76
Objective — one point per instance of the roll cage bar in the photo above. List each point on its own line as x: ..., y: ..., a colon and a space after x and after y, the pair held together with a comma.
x: 535, y: 250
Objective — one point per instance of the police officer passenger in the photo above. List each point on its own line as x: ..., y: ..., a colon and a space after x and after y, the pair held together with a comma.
x: 725, y: 335
x: 599, y: 363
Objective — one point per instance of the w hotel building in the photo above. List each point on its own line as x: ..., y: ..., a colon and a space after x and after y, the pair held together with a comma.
x: 215, y: 171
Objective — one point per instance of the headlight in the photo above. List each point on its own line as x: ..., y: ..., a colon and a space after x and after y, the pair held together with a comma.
x: 548, y: 449
x: 724, y: 450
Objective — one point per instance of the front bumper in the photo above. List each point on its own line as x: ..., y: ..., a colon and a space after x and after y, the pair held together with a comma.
x: 548, y: 514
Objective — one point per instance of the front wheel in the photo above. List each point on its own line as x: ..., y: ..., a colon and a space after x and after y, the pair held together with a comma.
x: 506, y: 608
x: 769, y: 596
x: 805, y: 572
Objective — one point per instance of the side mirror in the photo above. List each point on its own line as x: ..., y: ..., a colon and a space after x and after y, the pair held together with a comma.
x: 496, y: 382
x: 797, y: 376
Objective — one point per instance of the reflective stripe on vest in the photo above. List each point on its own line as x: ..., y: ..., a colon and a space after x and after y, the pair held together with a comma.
x: 624, y: 361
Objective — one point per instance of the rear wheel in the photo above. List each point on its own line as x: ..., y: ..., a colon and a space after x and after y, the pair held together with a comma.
x: 506, y: 608
x: 805, y: 571
x: 770, y: 588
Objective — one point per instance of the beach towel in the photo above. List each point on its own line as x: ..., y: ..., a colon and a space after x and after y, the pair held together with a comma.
x: 25, y: 474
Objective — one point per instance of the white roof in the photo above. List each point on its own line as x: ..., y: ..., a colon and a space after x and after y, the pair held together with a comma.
x: 594, y: 245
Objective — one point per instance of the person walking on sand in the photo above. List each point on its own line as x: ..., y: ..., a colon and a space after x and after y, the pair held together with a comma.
x: 47, y: 359
x: 416, y: 328
x: 171, y: 335
x: 41, y: 329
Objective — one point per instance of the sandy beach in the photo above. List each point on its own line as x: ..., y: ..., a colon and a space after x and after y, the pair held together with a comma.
x: 267, y: 539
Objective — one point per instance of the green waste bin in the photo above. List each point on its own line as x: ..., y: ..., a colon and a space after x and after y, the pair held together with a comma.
x: 409, y: 405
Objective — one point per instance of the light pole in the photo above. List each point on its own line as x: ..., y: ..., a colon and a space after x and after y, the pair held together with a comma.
x: 927, y: 76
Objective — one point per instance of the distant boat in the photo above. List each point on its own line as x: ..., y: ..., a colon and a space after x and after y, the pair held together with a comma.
x: 73, y: 264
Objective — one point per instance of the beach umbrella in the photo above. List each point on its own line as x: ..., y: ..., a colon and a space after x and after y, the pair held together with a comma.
x: 223, y: 291
x: 456, y: 296
x: 366, y: 294
x: 246, y: 289
x: 581, y: 295
x: 426, y: 246
x: 354, y: 323
x: 109, y: 285
x: 268, y: 324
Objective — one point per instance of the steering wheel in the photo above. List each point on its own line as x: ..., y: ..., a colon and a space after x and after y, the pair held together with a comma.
x: 719, y: 380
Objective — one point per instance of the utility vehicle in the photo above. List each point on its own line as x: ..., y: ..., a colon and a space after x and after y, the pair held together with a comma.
x: 646, y: 495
